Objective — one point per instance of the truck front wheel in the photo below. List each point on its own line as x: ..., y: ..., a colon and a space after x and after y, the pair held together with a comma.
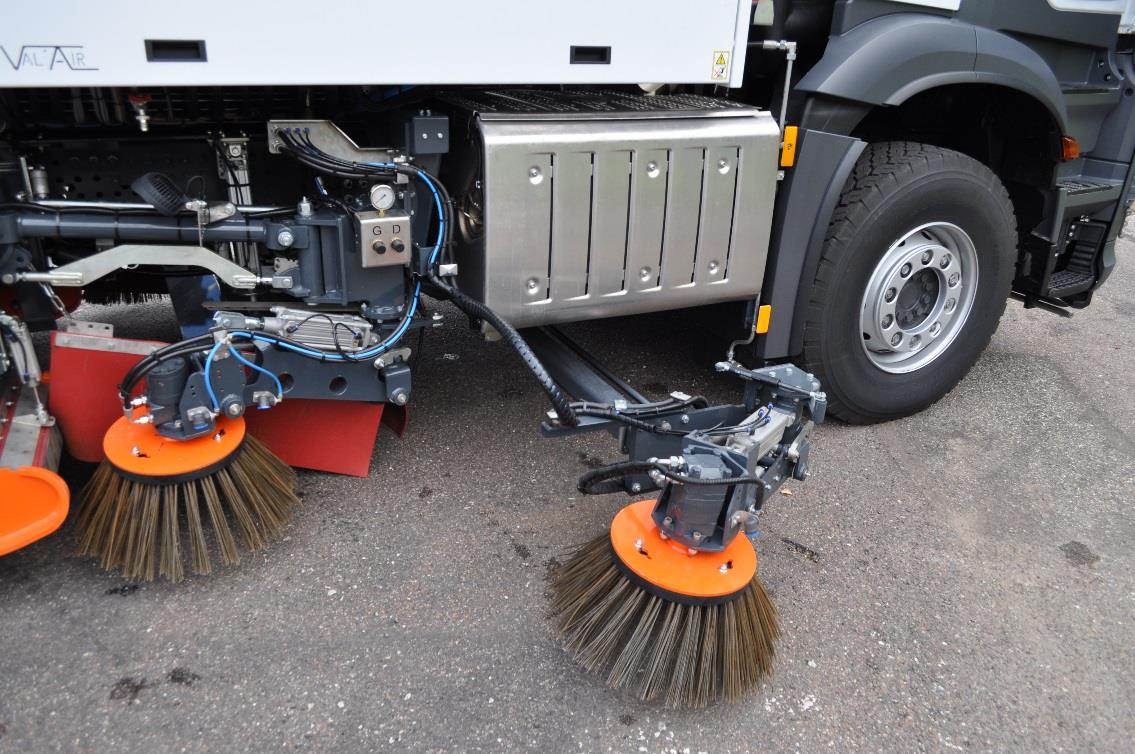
x: 912, y: 281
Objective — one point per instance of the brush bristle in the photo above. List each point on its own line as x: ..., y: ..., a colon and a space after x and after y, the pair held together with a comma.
x: 689, y: 655
x: 136, y: 527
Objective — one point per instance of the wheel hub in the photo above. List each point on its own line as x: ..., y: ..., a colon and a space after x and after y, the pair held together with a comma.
x: 916, y: 299
x: 919, y: 297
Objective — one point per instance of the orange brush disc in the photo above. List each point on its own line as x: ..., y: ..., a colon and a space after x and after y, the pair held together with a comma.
x: 33, y: 503
x: 138, y: 452
x: 666, y: 567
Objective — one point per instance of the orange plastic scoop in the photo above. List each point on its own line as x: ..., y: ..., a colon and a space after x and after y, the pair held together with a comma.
x: 33, y: 503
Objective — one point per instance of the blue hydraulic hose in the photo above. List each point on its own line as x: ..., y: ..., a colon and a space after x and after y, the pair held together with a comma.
x: 236, y: 355
x: 208, y: 380
x: 279, y: 387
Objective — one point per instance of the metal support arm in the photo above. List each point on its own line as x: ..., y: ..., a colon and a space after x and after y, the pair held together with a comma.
x: 89, y: 269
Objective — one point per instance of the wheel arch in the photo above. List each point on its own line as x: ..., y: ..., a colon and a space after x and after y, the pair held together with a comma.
x: 888, y: 60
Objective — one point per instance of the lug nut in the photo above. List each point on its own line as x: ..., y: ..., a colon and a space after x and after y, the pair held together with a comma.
x: 889, y: 296
x: 945, y: 261
x: 888, y: 321
x: 896, y: 339
x: 926, y: 257
x: 905, y: 269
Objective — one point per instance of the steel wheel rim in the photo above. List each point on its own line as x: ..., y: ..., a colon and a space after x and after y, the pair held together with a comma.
x: 918, y: 297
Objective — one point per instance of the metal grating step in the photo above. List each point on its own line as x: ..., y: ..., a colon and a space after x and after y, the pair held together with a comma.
x: 1067, y: 282
x: 1083, y: 187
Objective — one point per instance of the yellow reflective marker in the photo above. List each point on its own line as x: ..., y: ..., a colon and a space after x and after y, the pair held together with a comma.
x: 788, y: 151
x: 764, y: 314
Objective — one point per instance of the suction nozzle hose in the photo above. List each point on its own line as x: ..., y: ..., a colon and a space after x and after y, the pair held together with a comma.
x: 475, y: 308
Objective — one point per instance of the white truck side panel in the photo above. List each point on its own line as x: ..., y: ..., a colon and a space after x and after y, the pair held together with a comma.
x: 1123, y: 8
x: 103, y: 43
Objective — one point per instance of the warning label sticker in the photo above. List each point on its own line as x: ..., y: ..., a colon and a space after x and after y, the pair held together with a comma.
x: 720, y: 70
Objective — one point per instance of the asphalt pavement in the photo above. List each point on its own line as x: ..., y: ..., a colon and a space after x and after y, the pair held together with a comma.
x: 961, y: 580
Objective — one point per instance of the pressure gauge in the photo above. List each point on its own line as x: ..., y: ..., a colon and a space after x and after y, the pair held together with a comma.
x: 382, y: 196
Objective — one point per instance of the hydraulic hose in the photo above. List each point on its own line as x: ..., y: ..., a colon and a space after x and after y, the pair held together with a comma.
x: 607, y: 479
x: 476, y: 309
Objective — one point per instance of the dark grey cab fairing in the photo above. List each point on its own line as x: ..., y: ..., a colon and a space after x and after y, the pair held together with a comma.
x: 881, y: 56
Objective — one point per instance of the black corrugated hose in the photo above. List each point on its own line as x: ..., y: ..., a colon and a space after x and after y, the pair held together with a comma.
x: 477, y: 310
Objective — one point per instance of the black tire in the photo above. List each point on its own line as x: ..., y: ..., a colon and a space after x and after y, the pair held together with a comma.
x: 894, y: 188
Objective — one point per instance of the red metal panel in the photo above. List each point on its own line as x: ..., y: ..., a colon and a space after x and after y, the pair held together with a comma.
x: 335, y: 436
x: 84, y: 394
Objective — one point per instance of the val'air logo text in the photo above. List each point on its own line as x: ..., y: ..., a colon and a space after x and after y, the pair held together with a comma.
x: 47, y: 58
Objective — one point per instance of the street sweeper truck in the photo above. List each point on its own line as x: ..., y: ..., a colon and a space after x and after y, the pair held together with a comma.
x: 848, y: 190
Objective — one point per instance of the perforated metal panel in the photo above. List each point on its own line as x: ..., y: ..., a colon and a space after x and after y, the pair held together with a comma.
x: 600, y: 214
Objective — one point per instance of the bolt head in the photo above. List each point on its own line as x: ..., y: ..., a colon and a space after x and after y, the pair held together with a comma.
x: 285, y: 238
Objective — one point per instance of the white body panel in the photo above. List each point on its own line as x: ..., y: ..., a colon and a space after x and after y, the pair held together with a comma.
x: 943, y: 4
x: 1123, y: 8
x: 103, y: 42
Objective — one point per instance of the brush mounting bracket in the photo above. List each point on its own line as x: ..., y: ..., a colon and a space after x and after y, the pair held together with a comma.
x: 714, y: 466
